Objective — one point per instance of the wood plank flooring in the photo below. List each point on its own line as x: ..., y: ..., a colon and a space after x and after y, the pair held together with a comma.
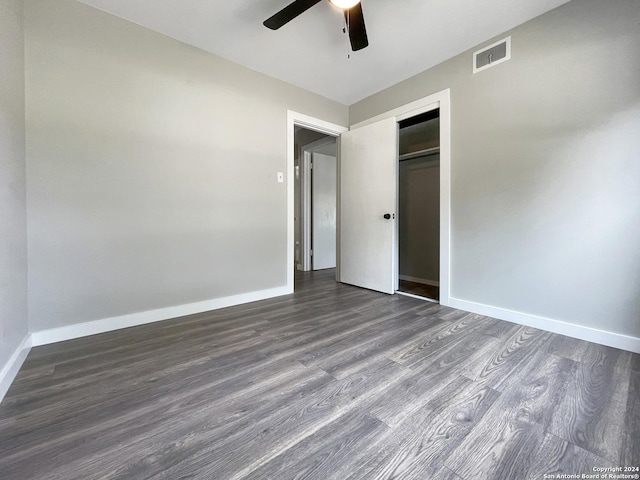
x: 332, y: 382
x: 420, y: 289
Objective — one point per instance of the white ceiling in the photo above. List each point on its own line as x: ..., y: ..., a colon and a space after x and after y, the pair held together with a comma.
x: 405, y: 36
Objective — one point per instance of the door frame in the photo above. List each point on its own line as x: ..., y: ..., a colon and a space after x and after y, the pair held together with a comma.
x: 301, y: 120
x: 442, y: 101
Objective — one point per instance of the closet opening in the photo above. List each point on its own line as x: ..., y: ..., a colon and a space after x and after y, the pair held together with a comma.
x: 419, y: 206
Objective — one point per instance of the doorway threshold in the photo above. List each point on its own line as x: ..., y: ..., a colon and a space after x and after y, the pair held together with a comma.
x: 417, y: 296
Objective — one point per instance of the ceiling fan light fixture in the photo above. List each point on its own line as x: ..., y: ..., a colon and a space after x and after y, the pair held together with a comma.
x: 351, y: 9
x: 345, y: 4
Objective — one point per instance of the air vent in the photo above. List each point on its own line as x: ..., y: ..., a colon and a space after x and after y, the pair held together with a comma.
x: 492, y: 55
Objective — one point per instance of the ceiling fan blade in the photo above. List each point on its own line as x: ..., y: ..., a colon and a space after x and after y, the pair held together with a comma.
x: 357, y: 30
x: 288, y: 13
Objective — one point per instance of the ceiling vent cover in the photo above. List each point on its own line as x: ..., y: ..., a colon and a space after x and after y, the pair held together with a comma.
x: 492, y: 55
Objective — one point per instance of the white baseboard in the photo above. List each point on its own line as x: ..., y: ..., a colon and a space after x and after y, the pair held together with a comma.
x: 59, y: 334
x: 12, y: 367
x: 423, y: 281
x: 602, y: 337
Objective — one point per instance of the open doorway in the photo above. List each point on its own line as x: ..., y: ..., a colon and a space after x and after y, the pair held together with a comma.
x: 315, y: 199
x: 419, y: 206
x: 295, y: 120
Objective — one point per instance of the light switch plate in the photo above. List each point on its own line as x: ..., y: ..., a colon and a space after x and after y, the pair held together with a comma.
x: 280, y: 177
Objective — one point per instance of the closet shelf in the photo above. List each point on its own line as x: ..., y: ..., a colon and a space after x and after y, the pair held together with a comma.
x: 420, y: 153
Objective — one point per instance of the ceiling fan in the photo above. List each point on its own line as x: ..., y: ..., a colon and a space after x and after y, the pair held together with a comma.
x: 352, y: 14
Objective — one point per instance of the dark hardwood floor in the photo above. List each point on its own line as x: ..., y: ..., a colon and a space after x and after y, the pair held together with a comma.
x: 333, y: 382
x: 428, y: 291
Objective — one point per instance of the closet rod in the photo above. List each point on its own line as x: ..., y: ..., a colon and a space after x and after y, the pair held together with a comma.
x: 420, y: 153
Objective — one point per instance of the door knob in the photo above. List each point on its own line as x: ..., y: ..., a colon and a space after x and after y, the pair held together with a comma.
x: 387, y: 216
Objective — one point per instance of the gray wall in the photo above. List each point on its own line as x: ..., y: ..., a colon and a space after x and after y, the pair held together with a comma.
x: 545, y: 149
x: 13, y: 230
x: 151, y: 169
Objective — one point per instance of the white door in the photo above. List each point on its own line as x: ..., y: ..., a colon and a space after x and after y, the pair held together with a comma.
x: 323, y: 206
x: 368, y: 184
